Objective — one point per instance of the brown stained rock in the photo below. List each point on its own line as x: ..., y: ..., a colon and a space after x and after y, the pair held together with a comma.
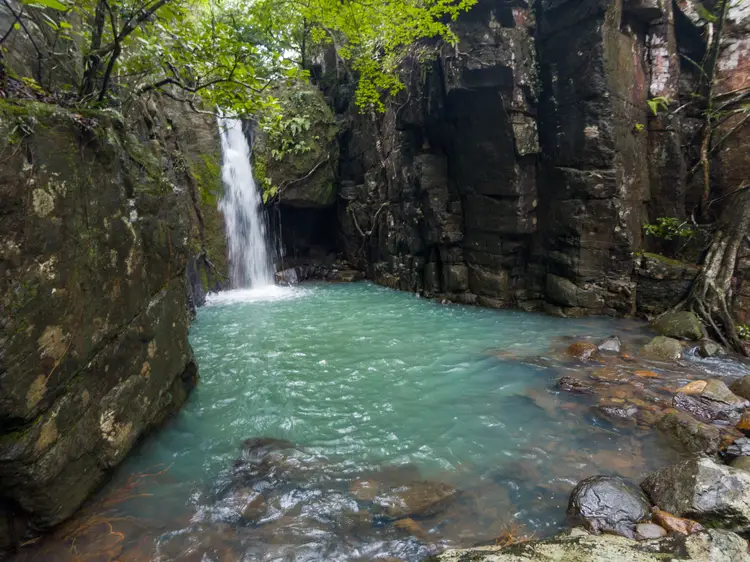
x: 674, y: 524
x: 742, y: 463
x: 611, y: 375
x: 693, y: 388
x: 411, y: 527
x: 744, y: 423
x: 646, y: 374
x: 582, y: 350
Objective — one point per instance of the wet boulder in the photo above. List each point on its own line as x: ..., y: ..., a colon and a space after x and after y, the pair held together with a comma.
x: 691, y: 435
x: 708, y: 348
x: 574, y: 385
x: 612, y: 343
x: 608, y: 504
x: 714, y: 401
x: 662, y: 348
x: 617, y: 412
x: 682, y: 325
x: 701, y: 489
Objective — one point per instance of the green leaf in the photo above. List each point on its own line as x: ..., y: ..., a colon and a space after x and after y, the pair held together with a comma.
x: 16, y: 26
x: 52, y: 4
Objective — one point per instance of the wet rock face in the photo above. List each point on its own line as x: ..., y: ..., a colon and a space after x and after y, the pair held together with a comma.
x: 701, y: 489
x: 608, y: 504
x: 95, y: 349
x: 474, y: 214
x: 691, y: 435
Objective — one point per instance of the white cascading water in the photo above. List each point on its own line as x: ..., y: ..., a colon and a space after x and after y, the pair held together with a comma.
x: 244, y: 216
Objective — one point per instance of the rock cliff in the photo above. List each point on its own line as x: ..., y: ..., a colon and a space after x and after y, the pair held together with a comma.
x: 100, y: 222
x: 519, y: 167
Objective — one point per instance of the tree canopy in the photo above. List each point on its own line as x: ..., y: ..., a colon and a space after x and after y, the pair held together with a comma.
x: 225, y: 54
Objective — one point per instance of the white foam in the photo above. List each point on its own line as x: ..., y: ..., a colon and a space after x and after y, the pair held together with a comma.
x: 257, y: 294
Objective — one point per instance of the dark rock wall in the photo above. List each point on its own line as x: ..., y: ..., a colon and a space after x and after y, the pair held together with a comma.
x: 98, y: 226
x: 518, y: 167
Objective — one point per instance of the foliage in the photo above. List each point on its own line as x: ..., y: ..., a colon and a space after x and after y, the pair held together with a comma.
x: 223, y: 54
x: 658, y: 103
x: 743, y: 331
x: 669, y: 228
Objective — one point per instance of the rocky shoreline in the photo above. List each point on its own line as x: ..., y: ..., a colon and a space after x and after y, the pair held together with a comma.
x: 696, y: 509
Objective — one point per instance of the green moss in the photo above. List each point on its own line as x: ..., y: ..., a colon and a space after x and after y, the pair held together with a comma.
x: 666, y: 260
x: 207, y: 174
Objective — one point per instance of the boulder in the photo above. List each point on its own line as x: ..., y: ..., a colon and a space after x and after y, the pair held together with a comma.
x: 683, y: 325
x: 715, y: 402
x: 617, y: 412
x: 674, y: 524
x: 708, y: 348
x: 701, y: 489
x: 662, y: 348
x: 717, y: 391
x: 577, y: 545
x: 690, y: 434
x: 574, y: 385
x: 741, y: 387
x: 612, y: 343
x: 608, y: 504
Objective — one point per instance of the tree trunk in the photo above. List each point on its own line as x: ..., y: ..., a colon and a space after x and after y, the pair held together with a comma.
x: 711, y: 294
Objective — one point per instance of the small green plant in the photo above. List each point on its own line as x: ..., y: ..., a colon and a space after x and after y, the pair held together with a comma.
x: 669, y: 228
x: 33, y: 85
x: 639, y: 128
x: 658, y: 103
x: 743, y: 331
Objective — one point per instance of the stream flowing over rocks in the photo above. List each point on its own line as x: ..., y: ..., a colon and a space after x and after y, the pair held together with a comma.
x: 515, y: 170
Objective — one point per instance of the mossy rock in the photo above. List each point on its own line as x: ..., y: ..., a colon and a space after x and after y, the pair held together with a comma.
x: 682, y: 324
x: 663, y: 348
x: 304, y: 177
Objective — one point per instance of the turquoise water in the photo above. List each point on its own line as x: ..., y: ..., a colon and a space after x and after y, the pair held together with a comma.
x: 368, y: 383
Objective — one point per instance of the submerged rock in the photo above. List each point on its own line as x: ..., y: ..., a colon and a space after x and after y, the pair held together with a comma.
x: 709, y: 402
x: 417, y: 499
x: 608, y: 504
x: 690, y: 434
x: 582, y: 350
x: 663, y: 348
x: 579, y: 546
x: 612, y: 343
x: 683, y: 324
x: 574, y: 385
x: 703, y: 490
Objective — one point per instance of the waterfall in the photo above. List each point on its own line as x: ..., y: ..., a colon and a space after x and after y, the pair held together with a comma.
x: 244, y: 215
